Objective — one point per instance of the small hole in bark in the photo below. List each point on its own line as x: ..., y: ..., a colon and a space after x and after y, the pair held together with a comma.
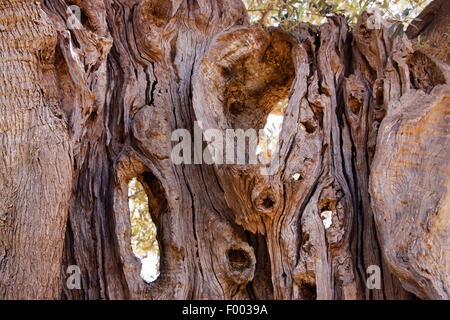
x: 268, y: 203
x: 308, y: 126
x: 305, y: 237
x: 238, y: 259
x: 308, y: 291
x: 264, y: 203
x: 143, y: 231
x: 227, y: 73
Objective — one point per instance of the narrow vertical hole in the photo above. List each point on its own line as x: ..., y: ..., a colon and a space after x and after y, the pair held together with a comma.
x: 143, y: 231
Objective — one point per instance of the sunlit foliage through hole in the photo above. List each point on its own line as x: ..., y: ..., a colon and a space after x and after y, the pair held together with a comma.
x: 143, y: 231
x: 289, y: 13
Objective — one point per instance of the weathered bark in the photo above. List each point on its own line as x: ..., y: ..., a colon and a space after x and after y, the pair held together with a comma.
x: 431, y: 31
x: 35, y: 156
x: 362, y: 108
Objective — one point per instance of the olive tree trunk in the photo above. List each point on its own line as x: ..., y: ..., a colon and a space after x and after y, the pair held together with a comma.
x: 85, y: 108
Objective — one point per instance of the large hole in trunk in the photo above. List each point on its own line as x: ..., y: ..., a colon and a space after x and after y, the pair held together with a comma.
x: 143, y: 230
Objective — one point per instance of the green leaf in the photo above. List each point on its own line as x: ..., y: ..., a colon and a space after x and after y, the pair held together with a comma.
x: 398, y: 31
x: 406, y: 12
x: 392, y: 28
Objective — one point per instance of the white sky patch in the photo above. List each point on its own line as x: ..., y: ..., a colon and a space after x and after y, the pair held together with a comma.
x: 149, y: 270
x: 326, y: 218
x: 272, y: 129
x: 296, y: 176
x: 274, y: 119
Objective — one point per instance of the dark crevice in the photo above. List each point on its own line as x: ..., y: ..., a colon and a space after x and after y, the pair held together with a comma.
x: 308, y: 291
x: 261, y: 286
x: 238, y: 259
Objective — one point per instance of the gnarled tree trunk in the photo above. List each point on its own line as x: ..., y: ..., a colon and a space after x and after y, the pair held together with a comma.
x: 365, y: 134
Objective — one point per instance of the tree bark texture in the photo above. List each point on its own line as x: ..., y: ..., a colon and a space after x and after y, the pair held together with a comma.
x: 85, y: 110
